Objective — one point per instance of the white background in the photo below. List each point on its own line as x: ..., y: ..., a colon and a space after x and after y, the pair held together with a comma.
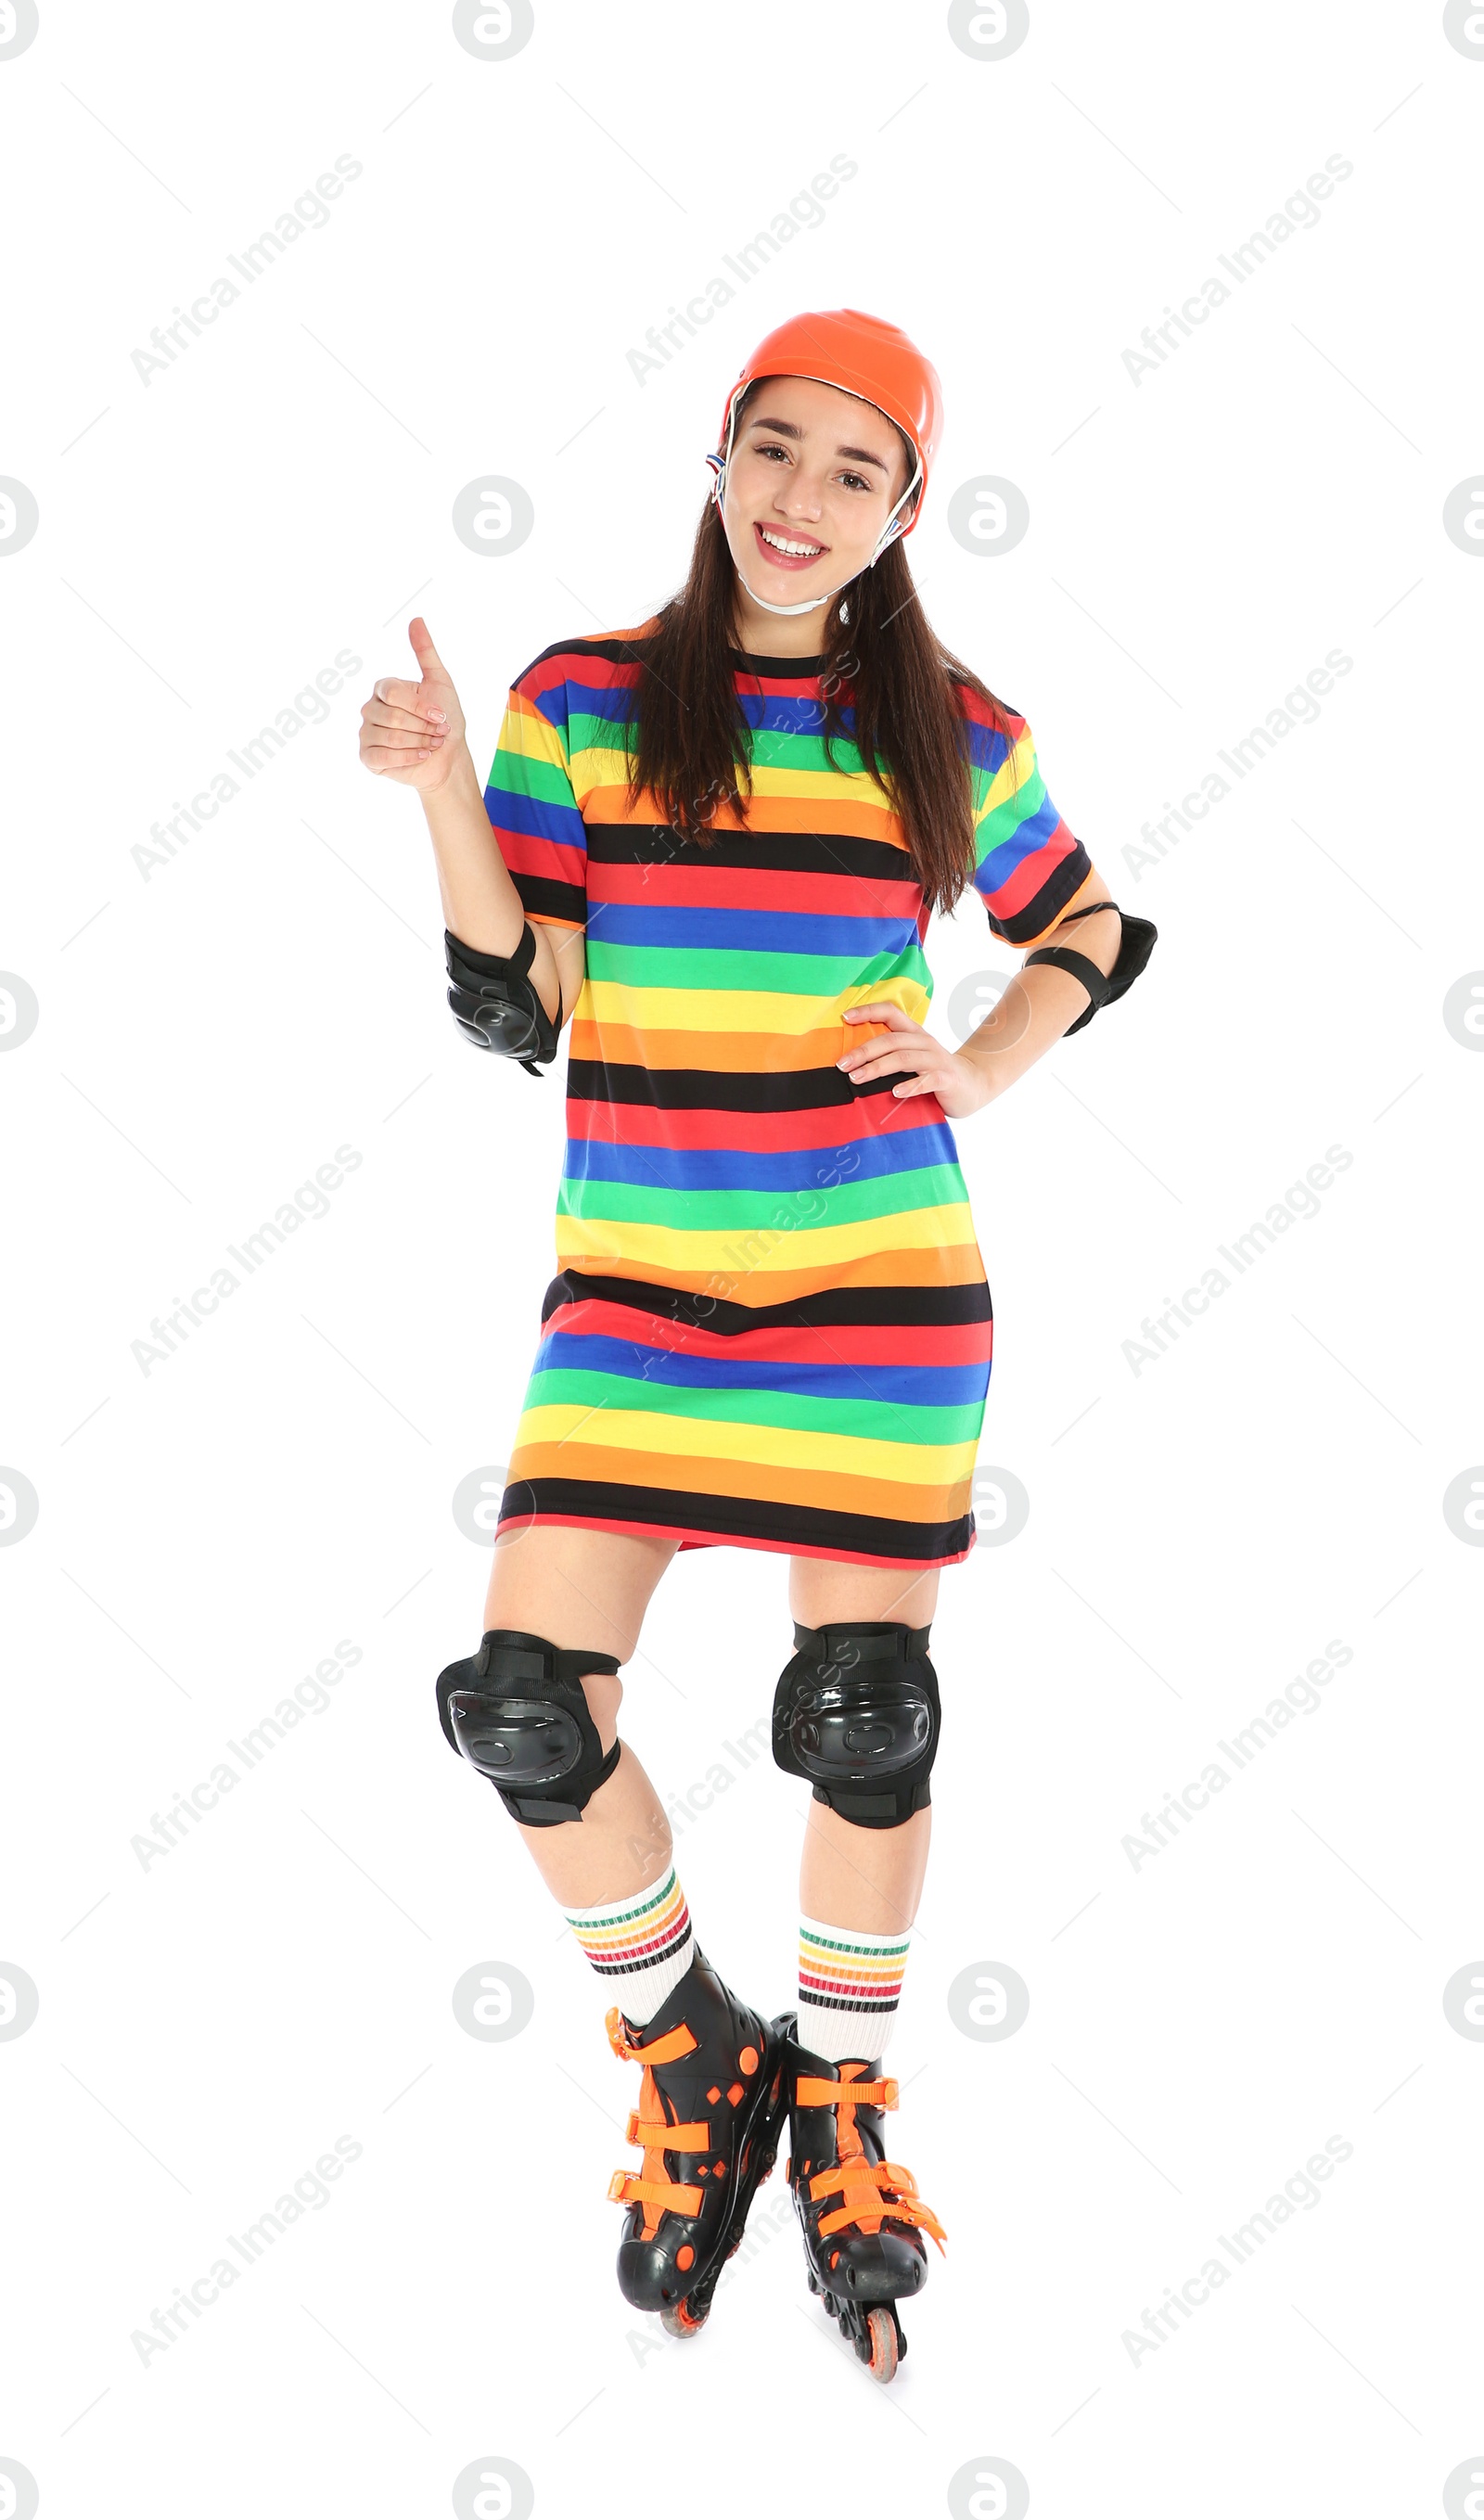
x: 212, y: 1030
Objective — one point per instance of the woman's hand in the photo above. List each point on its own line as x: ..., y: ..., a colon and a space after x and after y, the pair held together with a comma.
x: 413, y: 731
x: 959, y: 1083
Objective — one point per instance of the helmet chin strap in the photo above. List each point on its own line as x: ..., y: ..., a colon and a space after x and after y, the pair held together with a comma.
x: 811, y: 604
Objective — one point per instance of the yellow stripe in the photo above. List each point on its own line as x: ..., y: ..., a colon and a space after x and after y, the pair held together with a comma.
x: 642, y: 1929
x: 789, y: 1448
x: 749, y: 1010
x: 1012, y: 773
x: 763, y: 1249
x: 828, y: 1964
x: 599, y: 769
x: 526, y: 732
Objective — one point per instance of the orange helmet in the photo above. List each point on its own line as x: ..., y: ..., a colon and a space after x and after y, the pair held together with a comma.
x: 863, y: 356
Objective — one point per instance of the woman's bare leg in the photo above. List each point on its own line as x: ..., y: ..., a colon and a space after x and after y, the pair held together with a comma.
x: 589, y: 1589
x: 868, y: 1879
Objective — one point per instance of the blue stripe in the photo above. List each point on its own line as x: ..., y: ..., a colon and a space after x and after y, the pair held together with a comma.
x: 988, y: 747
x: 797, y: 713
x: 685, y: 927
x: 609, y: 700
x: 819, y: 1169
x: 788, y: 713
x: 513, y: 811
x: 952, y: 1386
x: 996, y: 865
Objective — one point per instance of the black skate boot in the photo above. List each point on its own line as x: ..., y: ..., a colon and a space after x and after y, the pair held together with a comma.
x: 711, y: 2106
x: 860, y: 2212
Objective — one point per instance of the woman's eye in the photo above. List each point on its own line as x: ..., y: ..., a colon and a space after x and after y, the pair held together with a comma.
x: 852, y: 478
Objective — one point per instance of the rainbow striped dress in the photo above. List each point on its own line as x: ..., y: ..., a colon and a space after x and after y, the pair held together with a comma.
x: 771, y: 1325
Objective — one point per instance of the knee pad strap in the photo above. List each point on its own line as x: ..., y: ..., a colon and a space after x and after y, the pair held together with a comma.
x: 516, y: 1711
x: 857, y: 1713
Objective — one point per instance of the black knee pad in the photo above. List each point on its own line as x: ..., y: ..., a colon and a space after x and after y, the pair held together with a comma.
x: 516, y: 1710
x: 857, y: 1714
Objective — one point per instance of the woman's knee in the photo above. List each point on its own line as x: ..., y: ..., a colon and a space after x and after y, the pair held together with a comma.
x: 581, y: 1590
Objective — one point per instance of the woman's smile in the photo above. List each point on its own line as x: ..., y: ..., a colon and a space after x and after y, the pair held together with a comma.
x: 785, y: 549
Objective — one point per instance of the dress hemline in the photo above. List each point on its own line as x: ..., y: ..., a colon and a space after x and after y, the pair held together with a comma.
x: 691, y: 1538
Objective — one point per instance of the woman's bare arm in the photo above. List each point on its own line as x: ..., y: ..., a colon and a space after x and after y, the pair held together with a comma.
x: 414, y: 734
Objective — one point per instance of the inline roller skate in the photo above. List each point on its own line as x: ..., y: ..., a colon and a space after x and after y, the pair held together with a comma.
x: 710, y: 2105
x: 860, y: 2212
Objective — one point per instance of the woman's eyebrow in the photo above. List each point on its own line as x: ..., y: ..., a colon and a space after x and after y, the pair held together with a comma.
x: 791, y: 428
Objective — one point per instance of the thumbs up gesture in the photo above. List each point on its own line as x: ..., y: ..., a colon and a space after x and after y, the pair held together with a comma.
x: 412, y: 732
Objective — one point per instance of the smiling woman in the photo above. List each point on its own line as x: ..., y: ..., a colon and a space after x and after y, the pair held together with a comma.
x: 713, y: 841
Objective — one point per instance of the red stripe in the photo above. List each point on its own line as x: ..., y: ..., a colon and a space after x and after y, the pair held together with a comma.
x: 529, y: 853
x: 1032, y: 872
x: 842, y: 1987
x: 700, y: 886
x: 658, y: 1943
x: 838, y: 1125
x: 849, y: 1343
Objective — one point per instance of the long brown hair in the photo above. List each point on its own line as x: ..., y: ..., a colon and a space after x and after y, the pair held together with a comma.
x: 884, y: 662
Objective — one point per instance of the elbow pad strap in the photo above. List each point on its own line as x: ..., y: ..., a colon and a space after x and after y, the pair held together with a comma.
x: 495, y: 1004
x: 1134, y: 946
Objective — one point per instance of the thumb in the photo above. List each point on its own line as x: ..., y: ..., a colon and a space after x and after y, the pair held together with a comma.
x: 424, y: 650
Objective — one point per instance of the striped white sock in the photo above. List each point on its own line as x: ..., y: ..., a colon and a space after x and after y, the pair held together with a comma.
x: 848, y: 1985
x: 640, y: 1946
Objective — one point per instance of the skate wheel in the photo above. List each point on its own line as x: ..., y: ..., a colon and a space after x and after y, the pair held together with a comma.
x: 679, y: 2319
x: 880, y: 2329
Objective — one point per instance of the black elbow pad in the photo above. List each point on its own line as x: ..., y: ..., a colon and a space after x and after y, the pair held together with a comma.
x: 494, y: 1003
x: 1134, y: 946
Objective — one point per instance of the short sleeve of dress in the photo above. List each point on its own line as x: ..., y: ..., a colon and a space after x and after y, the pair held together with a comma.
x: 531, y: 804
x: 1028, y: 866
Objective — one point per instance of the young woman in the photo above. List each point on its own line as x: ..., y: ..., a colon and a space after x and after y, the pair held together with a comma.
x: 713, y: 842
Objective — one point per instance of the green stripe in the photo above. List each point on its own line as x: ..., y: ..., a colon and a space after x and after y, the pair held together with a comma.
x: 767, y: 1211
x: 782, y: 747
x: 522, y: 773
x: 863, y: 1950
x: 626, y: 1916
x: 774, y: 747
x: 589, y: 732
x: 806, y: 1412
x: 793, y: 975
x: 1008, y: 815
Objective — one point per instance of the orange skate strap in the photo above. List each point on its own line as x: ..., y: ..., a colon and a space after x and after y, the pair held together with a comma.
x: 813, y: 2091
x: 862, y: 2185
x: 650, y: 2186
x: 675, y: 2043
x: 692, y: 2134
x: 626, y: 2187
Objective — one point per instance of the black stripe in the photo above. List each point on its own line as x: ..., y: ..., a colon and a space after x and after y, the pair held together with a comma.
x: 778, y: 669
x: 723, y: 1518
x: 804, y: 851
x: 620, y: 652
x: 709, y: 1089
x: 844, y: 2004
x: 864, y: 1307
x: 1055, y: 894
x: 551, y: 899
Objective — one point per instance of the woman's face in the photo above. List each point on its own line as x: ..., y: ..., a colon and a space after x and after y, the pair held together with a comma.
x: 813, y: 479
